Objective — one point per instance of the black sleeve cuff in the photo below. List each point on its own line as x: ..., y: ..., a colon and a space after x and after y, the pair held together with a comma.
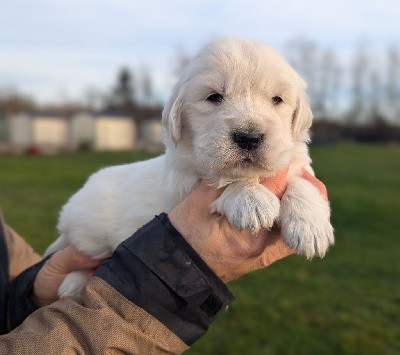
x: 160, y: 272
x: 20, y: 305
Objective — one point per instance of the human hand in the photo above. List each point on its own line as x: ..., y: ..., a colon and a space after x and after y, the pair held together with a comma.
x: 228, y: 251
x: 53, y: 272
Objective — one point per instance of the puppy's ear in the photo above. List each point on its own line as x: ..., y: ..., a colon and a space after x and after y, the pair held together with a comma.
x: 302, y: 118
x: 172, y: 114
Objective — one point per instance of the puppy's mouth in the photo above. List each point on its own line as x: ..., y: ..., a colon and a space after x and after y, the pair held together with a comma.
x: 253, y: 166
x: 249, y: 161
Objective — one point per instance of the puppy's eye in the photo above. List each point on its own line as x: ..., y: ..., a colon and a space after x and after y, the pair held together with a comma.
x: 215, y: 98
x: 276, y: 100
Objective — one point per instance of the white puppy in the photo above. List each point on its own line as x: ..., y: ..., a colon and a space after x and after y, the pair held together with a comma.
x: 239, y: 113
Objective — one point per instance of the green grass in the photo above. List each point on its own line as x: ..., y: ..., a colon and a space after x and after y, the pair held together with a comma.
x: 347, y: 303
x: 32, y: 189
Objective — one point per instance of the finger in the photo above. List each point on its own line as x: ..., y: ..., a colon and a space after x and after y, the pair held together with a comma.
x: 317, y: 183
x: 71, y: 259
x: 91, y: 272
x: 275, y: 250
x: 277, y: 183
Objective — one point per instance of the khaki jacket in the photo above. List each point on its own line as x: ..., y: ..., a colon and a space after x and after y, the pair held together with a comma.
x: 155, y: 295
x: 20, y: 254
x: 101, y: 322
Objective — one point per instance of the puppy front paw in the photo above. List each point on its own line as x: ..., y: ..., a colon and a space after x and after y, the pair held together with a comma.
x: 305, y: 219
x: 248, y: 206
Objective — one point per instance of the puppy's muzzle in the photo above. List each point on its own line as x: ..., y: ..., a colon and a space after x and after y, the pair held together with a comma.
x: 247, y: 140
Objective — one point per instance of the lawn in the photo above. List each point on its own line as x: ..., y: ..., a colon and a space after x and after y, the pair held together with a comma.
x: 347, y: 303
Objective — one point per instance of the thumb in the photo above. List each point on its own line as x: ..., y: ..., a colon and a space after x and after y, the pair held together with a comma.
x: 203, y: 194
x: 71, y: 259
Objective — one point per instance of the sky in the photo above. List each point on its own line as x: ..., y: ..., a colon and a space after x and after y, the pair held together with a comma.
x: 56, y: 50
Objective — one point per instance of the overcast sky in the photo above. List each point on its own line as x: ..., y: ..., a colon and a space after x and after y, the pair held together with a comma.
x: 56, y: 49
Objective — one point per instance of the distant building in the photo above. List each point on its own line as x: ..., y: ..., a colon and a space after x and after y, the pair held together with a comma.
x: 3, y: 129
x: 20, y: 130
x: 82, y: 130
x: 114, y: 131
x: 42, y: 129
x: 53, y: 132
x: 50, y: 131
x: 151, y: 135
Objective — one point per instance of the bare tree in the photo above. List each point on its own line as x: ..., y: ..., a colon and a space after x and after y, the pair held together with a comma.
x: 182, y: 59
x: 146, y: 84
x: 123, y: 95
x: 329, y: 80
x: 302, y: 54
x: 375, y: 92
x: 321, y: 71
x: 12, y: 101
x: 393, y: 82
x: 94, y: 99
x: 359, y: 74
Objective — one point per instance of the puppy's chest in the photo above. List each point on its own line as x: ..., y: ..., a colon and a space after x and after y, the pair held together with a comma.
x: 178, y: 185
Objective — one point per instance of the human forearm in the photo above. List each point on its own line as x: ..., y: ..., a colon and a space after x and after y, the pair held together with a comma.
x: 102, y: 321
x: 155, y: 295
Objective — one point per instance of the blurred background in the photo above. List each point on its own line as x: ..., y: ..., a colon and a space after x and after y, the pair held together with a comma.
x: 82, y: 86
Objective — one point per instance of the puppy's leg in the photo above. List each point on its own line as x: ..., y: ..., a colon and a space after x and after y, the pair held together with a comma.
x: 248, y: 206
x: 75, y: 280
x: 73, y: 284
x: 305, y: 219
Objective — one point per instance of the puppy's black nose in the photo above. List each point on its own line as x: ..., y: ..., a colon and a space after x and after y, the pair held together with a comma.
x: 248, y: 140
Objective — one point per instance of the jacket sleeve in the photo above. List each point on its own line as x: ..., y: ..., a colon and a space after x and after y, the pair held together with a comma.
x: 20, y: 256
x: 20, y: 253
x: 154, y: 296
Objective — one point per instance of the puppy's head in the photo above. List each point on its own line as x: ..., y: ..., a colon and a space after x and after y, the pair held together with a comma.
x: 238, y: 111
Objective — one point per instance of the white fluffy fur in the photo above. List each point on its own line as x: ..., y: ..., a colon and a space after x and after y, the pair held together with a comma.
x: 198, y: 135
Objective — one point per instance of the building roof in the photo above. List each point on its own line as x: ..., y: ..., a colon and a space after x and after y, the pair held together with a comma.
x: 112, y: 113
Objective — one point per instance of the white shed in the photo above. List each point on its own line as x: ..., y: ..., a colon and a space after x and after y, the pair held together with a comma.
x: 50, y: 131
x: 82, y: 130
x: 20, y: 130
x: 43, y: 130
x: 152, y: 132
x: 3, y: 129
x: 53, y: 132
x: 114, y: 131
